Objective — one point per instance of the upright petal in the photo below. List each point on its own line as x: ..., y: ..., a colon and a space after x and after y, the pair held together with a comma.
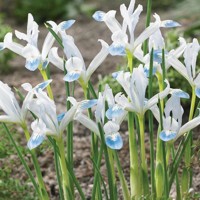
x: 88, y: 123
x: 98, y: 59
x: 55, y: 59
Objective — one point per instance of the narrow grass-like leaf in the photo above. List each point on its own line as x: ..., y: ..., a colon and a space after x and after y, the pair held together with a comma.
x: 48, y: 26
x: 109, y: 173
x: 22, y: 160
x: 151, y: 132
x: 99, y: 174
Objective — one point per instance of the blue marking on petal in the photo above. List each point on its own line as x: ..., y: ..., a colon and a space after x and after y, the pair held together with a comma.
x: 98, y: 16
x: 147, y: 71
x: 44, y: 64
x: 35, y: 141
x: 114, y: 141
x: 181, y: 94
x: 197, y: 91
x: 60, y: 116
x: 170, y: 24
x: 67, y: 24
x: 88, y: 104
x: 72, y: 76
x: 43, y: 85
x: 115, y: 74
x: 157, y: 55
x: 117, y: 50
x: 32, y: 65
x: 167, y: 135
x: 1, y: 46
x: 114, y: 112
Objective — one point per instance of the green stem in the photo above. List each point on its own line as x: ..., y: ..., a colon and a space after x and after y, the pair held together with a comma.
x: 122, y: 179
x: 188, y: 150
x: 143, y: 156
x: 56, y: 158
x: 135, y: 179
x: 65, y: 176
x: 148, y: 19
x: 151, y: 129
x: 109, y: 172
x: 36, y: 166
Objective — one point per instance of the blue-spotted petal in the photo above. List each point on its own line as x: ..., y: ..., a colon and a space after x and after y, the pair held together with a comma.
x: 117, y: 50
x: 197, y: 91
x: 45, y: 64
x: 114, y: 141
x: 35, y: 140
x: 88, y: 104
x: 170, y: 24
x: 115, y: 74
x: 147, y: 71
x: 114, y: 112
x: 99, y: 16
x: 157, y: 55
x: 32, y: 64
x: 66, y: 24
x: 43, y: 85
x: 167, y: 135
x: 1, y: 46
x: 72, y: 76
x: 181, y: 94
x: 60, y: 116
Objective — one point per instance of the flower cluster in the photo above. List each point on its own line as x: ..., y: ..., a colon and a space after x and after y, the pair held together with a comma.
x: 105, y: 109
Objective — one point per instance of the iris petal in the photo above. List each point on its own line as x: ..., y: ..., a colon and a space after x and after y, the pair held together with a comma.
x: 43, y: 85
x: 1, y: 46
x: 98, y: 16
x: 114, y: 141
x: 60, y: 116
x: 32, y: 64
x: 88, y: 104
x: 117, y: 50
x: 115, y: 74
x: 72, y: 76
x: 157, y: 56
x: 181, y: 94
x: 35, y: 140
x: 66, y: 24
x: 197, y: 91
x: 114, y: 112
x: 170, y: 24
x: 167, y: 135
x: 147, y: 71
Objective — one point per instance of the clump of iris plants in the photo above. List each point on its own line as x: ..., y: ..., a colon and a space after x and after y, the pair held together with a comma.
x: 103, y: 113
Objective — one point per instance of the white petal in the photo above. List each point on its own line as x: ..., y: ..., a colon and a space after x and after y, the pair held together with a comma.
x: 88, y: 123
x: 98, y: 59
x: 111, y: 21
x: 148, y: 31
x: 55, y: 59
x: 189, y: 126
x: 69, y: 116
x: 70, y: 49
x: 111, y: 127
x: 178, y: 66
x: 13, y: 46
x: 154, y: 100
